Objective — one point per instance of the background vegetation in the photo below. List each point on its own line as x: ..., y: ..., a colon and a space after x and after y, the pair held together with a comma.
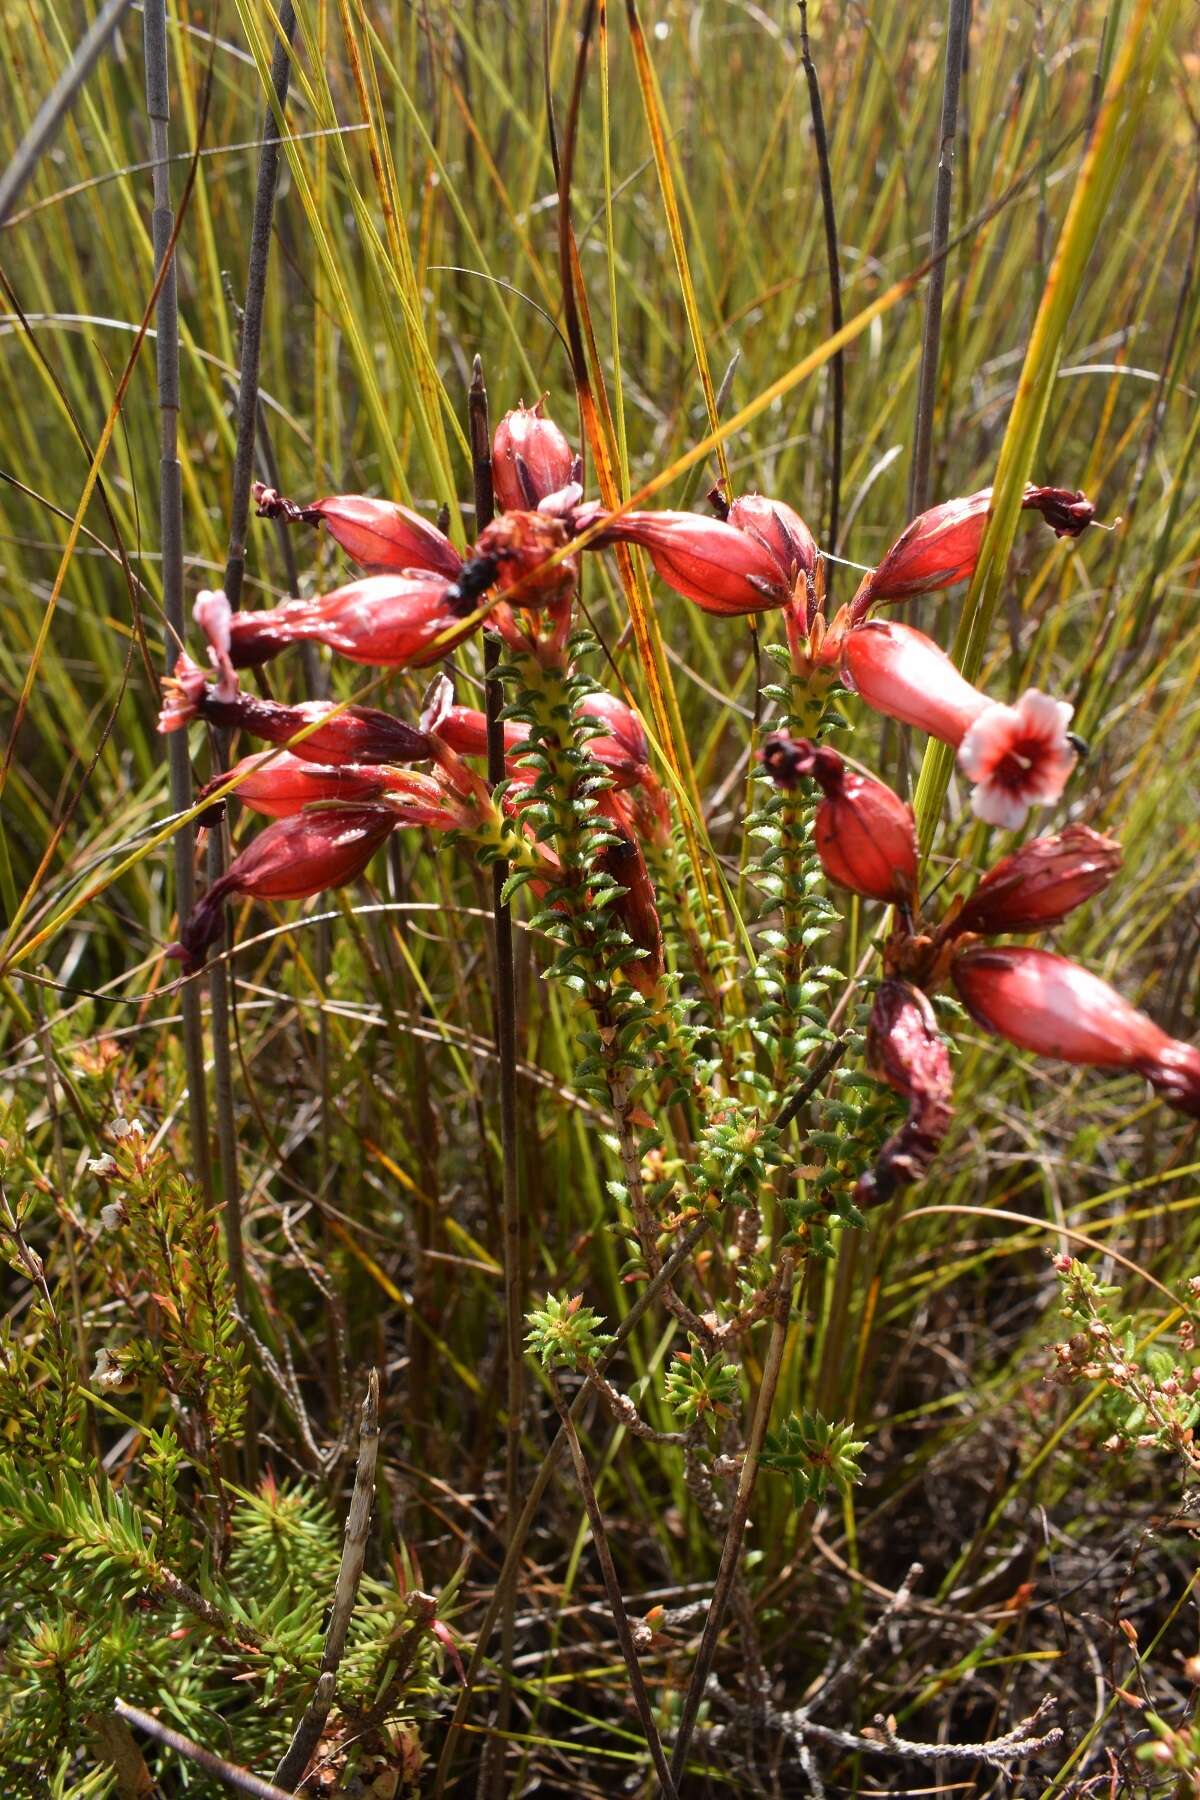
x: 417, y: 225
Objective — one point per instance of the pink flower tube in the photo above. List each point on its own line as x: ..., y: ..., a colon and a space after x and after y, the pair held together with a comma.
x: 901, y: 672
x: 1043, y: 881
x: 781, y: 531
x: 942, y: 546
x: 906, y: 1049
x: 278, y: 784
x: 347, y: 734
x: 1015, y: 756
x: 531, y: 459
x: 622, y: 748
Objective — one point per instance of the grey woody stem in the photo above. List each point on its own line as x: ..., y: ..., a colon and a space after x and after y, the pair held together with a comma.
x: 307, y: 1735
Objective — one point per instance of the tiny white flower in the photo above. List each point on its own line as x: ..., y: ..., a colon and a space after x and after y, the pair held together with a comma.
x: 108, y: 1372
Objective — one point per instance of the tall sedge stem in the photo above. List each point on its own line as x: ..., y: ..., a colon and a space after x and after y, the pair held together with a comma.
x: 918, y: 486
x: 170, y: 495
x: 55, y: 106
x: 837, y: 365
x: 235, y: 564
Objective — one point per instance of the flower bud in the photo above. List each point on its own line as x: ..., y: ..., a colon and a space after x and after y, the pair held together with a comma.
x: 905, y: 1049
x: 1043, y: 881
x: 864, y: 833
x: 464, y: 729
x: 353, y: 734
x: 386, y: 621
x: 380, y: 534
x: 622, y: 748
x: 531, y: 459
x: 291, y: 860
x: 707, y: 560
x: 1044, y: 1003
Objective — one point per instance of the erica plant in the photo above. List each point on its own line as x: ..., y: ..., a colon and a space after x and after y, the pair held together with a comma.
x: 747, y: 1109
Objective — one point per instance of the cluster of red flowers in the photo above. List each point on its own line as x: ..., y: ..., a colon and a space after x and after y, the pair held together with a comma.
x: 344, y: 782
x: 866, y: 838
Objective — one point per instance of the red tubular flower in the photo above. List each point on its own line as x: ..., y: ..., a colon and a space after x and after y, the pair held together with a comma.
x: 1044, y: 1003
x: 386, y: 621
x: 279, y: 784
x: 942, y: 546
x: 707, y: 560
x: 428, y: 800
x: 464, y: 729
x: 291, y: 860
x: 1043, y: 881
x: 864, y: 833
x: 380, y: 534
x: 905, y: 1049
x: 623, y: 748
x: 353, y: 734
x: 531, y: 459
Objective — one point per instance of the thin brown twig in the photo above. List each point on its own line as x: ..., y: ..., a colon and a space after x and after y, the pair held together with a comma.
x: 739, y: 1514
